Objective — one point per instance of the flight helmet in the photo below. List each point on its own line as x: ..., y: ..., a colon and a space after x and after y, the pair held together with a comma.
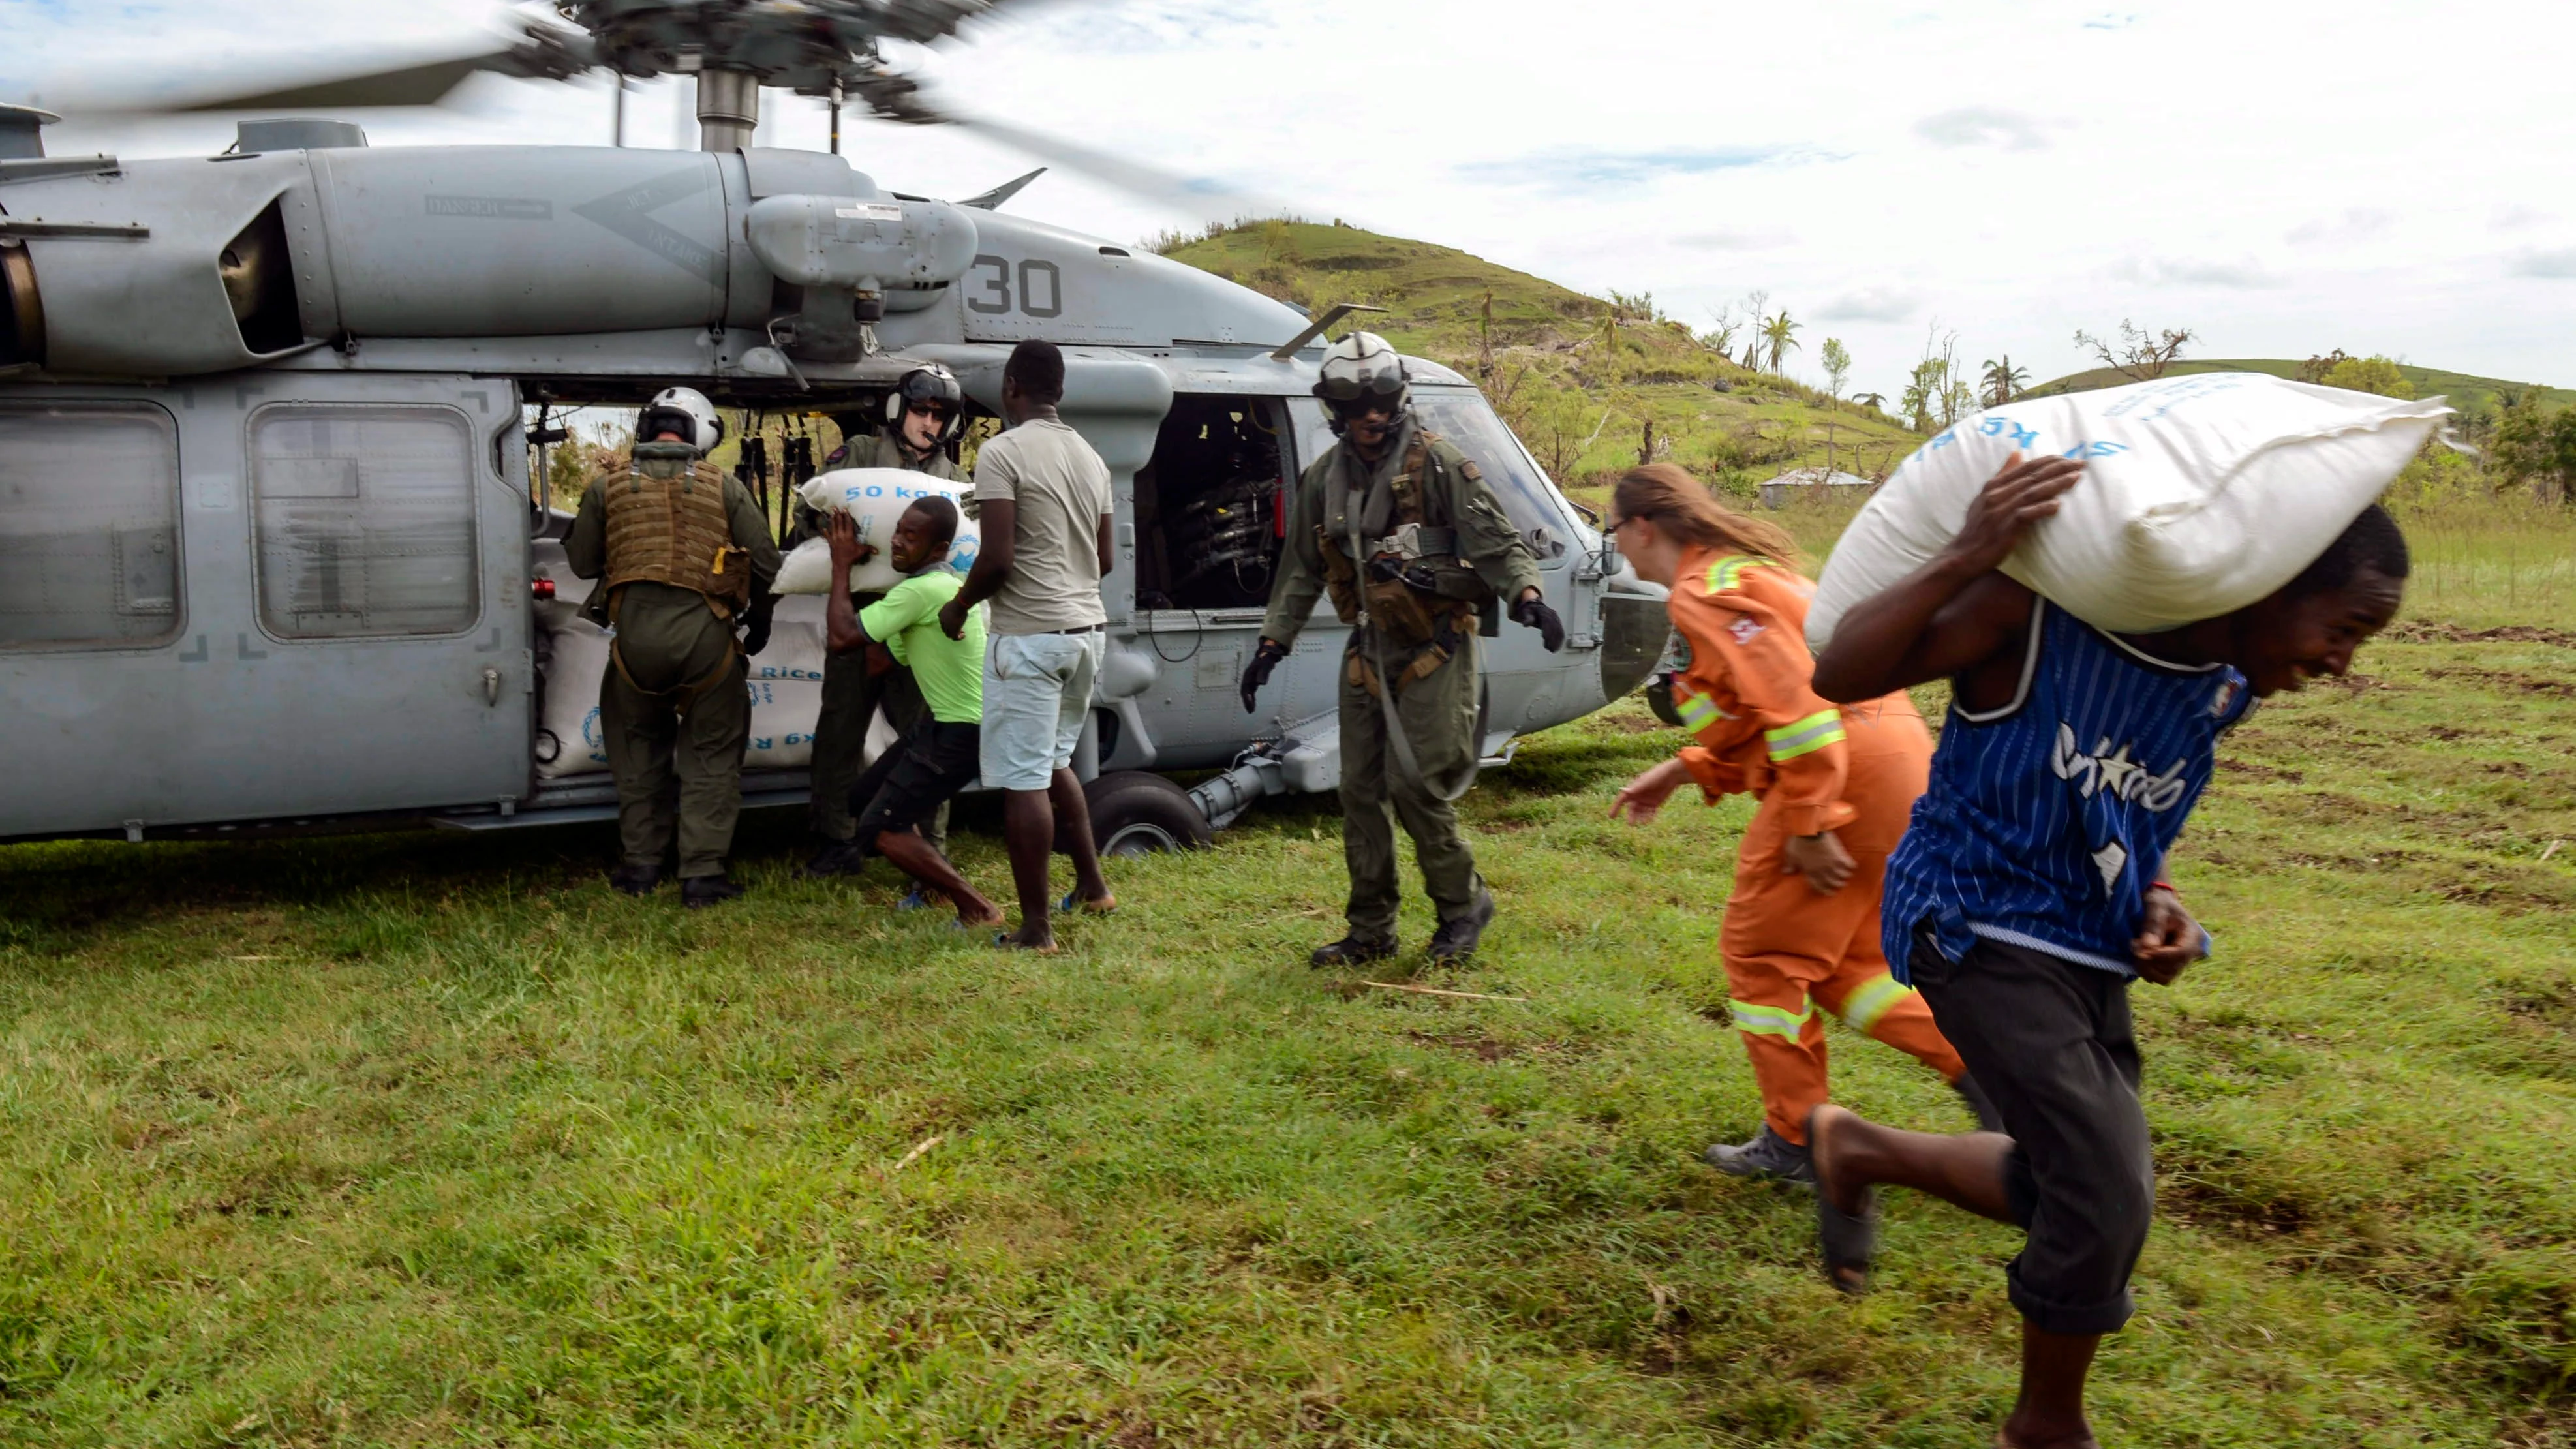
x: 930, y: 383
x: 682, y: 410
x: 1360, y: 370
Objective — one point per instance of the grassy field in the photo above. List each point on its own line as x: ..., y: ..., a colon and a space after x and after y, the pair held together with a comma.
x: 418, y: 1139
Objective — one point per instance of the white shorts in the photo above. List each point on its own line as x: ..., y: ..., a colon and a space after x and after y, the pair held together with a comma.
x: 1037, y: 691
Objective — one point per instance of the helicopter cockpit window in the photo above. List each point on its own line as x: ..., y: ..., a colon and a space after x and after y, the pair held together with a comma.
x: 1464, y: 418
x: 366, y: 521
x: 1207, y: 506
x: 89, y: 527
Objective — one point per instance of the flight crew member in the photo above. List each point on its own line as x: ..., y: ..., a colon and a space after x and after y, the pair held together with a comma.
x: 925, y: 412
x: 1801, y: 928
x: 1404, y: 535
x: 683, y: 555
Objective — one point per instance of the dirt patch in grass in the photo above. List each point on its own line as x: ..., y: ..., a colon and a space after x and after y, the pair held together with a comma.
x: 2510, y: 681
x: 2426, y: 631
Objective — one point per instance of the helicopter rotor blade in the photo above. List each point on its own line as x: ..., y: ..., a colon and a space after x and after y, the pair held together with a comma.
x: 417, y: 77
x: 1202, y: 196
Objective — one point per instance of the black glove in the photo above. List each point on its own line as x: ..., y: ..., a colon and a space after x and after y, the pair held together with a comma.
x: 755, y: 633
x: 1534, y: 612
x: 1257, y: 673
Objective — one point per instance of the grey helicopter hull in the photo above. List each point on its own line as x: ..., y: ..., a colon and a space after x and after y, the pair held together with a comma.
x: 266, y: 542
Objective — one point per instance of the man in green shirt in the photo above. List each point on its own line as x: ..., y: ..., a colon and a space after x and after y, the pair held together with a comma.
x: 939, y: 757
x: 925, y: 414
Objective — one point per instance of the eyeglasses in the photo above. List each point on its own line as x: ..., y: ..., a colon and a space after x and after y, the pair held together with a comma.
x: 941, y: 411
x: 1364, y: 404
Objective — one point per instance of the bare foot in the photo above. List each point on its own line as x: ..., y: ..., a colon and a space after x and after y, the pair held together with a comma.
x: 966, y: 922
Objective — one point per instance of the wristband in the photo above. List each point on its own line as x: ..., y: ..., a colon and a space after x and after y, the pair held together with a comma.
x: 2165, y: 885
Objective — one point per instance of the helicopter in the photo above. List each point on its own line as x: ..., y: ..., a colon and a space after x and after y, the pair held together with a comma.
x: 273, y: 556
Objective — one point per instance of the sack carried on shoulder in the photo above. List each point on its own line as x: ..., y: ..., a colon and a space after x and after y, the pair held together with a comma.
x: 2200, y: 495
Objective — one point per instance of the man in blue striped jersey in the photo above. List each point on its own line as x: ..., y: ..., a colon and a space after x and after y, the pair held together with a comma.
x: 2029, y: 892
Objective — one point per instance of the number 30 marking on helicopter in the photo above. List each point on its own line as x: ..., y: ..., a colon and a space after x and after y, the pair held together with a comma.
x: 992, y: 276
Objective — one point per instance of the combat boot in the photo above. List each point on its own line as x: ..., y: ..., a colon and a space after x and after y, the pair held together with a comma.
x: 1456, y: 940
x: 1769, y: 1155
x: 699, y: 891
x: 841, y: 857
x: 1353, y: 950
x: 636, y: 880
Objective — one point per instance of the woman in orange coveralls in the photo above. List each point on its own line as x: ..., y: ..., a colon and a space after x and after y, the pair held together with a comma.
x: 1837, y: 785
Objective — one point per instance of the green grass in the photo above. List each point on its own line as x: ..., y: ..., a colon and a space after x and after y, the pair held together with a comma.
x: 417, y: 1139
x: 1579, y: 395
x: 2467, y: 391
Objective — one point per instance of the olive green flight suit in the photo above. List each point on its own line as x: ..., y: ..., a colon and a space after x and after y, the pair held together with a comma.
x: 670, y: 638
x: 1436, y: 700
x: 851, y: 695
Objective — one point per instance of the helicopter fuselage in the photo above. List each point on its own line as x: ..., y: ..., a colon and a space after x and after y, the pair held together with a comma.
x: 267, y: 531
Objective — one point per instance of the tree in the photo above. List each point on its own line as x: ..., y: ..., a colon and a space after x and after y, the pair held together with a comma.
x: 2141, y: 355
x: 2368, y: 374
x: 1874, y: 401
x: 2003, y: 381
x: 1924, y: 389
x: 1780, y: 336
x: 1754, y: 302
x: 1720, y: 337
x: 1838, y: 365
x: 2537, y: 448
x: 2316, y: 368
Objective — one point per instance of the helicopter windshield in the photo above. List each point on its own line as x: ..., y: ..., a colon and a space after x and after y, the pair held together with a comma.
x: 1464, y: 418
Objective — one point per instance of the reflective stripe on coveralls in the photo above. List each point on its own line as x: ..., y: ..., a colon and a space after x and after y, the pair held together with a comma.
x: 1772, y: 1020
x: 1789, y: 741
x: 1862, y: 1009
x: 1698, y: 711
x: 1726, y: 573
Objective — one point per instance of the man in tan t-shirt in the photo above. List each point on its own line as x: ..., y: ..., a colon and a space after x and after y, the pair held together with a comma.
x: 1043, y: 501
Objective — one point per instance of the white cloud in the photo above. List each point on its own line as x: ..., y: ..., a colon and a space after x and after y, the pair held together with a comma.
x: 1727, y: 240
x: 2354, y: 225
x: 1984, y: 126
x: 1872, y: 304
x: 2181, y: 272
x: 2554, y: 266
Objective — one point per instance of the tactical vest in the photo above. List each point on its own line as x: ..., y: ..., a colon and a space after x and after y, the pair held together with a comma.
x: 674, y: 529
x: 1423, y: 613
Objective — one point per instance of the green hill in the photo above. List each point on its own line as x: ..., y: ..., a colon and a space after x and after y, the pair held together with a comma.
x: 2468, y: 393
x: 1590, y: 384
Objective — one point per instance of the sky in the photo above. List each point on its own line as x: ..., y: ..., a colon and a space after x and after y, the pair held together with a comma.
x: 2282, y: 177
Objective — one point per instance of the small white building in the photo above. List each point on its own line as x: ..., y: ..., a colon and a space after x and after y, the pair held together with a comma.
x: 1801, y: 483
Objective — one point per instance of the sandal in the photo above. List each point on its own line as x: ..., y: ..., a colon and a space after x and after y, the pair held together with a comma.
x: 1070, y: 904
x: 1846, y: 1239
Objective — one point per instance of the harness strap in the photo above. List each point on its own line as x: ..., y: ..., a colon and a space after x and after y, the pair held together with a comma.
x: 687, y: 694
x: 1397, y: 739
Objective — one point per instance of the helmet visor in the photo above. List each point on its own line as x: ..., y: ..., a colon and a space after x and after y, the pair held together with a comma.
x: 926, y: 386
x: 1384, y: 385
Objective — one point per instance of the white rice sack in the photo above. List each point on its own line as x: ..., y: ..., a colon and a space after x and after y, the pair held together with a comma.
x: 876, y: 499
x: 785, y: 682
x: 2200, y: 495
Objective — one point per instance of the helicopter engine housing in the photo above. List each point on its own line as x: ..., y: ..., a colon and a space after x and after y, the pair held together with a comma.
x: 342, y: 245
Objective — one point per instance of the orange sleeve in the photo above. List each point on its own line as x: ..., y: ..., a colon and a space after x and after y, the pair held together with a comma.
x: 1762, y: 650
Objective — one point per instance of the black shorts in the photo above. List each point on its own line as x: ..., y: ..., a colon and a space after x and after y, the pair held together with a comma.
x: 922, y: 772
x: 2051, y: 1042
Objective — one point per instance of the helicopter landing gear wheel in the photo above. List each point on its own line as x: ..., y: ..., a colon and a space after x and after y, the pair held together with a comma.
x: 1137, y: 812
x: 1659, y: 698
